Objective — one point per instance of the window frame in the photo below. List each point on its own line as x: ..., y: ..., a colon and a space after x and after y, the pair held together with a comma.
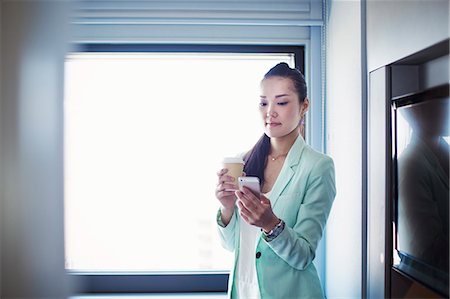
x: 167, y: 282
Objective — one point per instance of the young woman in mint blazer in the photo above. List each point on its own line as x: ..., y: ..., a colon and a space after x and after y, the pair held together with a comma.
x: 275, y: 237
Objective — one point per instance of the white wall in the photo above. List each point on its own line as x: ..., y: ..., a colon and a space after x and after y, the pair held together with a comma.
x: 1, y: 156
x: 395, y: 29
x: 399, y: 28
x: 343, y: 125
x: 33, y: 44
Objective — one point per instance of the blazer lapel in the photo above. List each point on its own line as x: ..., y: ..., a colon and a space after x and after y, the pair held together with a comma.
x: 288, y: 169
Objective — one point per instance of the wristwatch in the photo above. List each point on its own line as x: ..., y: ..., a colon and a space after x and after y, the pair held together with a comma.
x: 274, y: 232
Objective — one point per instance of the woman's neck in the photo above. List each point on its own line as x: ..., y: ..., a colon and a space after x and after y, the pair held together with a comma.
x: 281, y: 145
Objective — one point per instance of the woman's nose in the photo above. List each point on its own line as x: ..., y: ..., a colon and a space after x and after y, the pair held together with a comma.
x: 271, y: 113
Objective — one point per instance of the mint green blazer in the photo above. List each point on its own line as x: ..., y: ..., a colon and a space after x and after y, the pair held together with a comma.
x: 302, y: 197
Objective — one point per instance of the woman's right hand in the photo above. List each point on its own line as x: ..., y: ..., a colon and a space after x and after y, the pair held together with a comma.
x: 227, y: 198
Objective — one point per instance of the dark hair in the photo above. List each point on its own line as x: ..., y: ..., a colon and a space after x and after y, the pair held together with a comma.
x: 255, y: 160
x: 283, y: 70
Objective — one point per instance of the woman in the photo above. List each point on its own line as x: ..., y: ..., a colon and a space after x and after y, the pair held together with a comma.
x: 275, y: 236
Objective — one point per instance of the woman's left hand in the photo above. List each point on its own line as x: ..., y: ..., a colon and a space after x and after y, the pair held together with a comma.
x: 256, y: 211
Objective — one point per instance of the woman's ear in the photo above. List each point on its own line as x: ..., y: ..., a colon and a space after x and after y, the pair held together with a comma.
x: 303, y: 110
x: 305, y: 107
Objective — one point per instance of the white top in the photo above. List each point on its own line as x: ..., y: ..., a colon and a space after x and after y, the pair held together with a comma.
x: 246, y: 279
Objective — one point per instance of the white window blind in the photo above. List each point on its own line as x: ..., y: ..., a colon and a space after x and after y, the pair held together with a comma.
x: 273, y: 22
x: 144, y: 137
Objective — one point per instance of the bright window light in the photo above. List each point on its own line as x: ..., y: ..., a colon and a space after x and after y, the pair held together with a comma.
x: 145, y: 134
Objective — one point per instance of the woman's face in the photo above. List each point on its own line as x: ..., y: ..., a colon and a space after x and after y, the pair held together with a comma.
x: 280, y: 107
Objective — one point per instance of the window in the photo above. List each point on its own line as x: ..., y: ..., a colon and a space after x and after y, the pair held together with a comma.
x: 145, y: 133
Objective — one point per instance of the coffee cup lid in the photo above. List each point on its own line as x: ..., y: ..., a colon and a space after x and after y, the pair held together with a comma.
x: 233, y: 160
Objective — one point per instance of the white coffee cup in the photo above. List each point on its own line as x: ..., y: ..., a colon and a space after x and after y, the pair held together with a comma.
x: 235, y: 166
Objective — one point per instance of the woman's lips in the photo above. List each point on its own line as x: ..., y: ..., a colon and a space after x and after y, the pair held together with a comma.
x: 272, y: 125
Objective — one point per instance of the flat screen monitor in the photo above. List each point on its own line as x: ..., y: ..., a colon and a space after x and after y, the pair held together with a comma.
x: 421, y: 186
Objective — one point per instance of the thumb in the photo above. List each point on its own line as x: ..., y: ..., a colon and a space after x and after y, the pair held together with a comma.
x: 264, y: 200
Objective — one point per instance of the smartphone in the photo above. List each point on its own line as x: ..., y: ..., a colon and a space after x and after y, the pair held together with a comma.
x: 251, y: 183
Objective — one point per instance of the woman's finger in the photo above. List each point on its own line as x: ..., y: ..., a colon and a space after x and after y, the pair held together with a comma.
x: 243, y: 211
x: 240, y: 195
x: 227, y: 189
x: 249, y: 204
x: 226, y: 186
x: 250, y: 195
x: 224, y: 193
x: 264, y: 200
x: 222, y: 172
x: 246, y: 219
x: 244, y: 196
x: 225, y: 178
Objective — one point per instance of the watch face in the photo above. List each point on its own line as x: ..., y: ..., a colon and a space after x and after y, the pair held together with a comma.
x: 274, y: 232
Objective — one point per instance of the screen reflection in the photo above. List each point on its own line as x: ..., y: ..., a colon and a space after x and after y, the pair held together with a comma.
x: 423, y: 191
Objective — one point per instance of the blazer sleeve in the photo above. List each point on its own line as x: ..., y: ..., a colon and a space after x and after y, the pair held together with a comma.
x: 227, y: 233
x: 297, y: 245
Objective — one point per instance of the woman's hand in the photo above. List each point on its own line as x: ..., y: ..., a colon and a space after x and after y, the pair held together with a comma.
x: 227, y: 198
x: 256, y: 211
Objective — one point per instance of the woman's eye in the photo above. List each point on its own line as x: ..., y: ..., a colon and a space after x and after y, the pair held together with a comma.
x: 262, y: 104
x: 283, y: 103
